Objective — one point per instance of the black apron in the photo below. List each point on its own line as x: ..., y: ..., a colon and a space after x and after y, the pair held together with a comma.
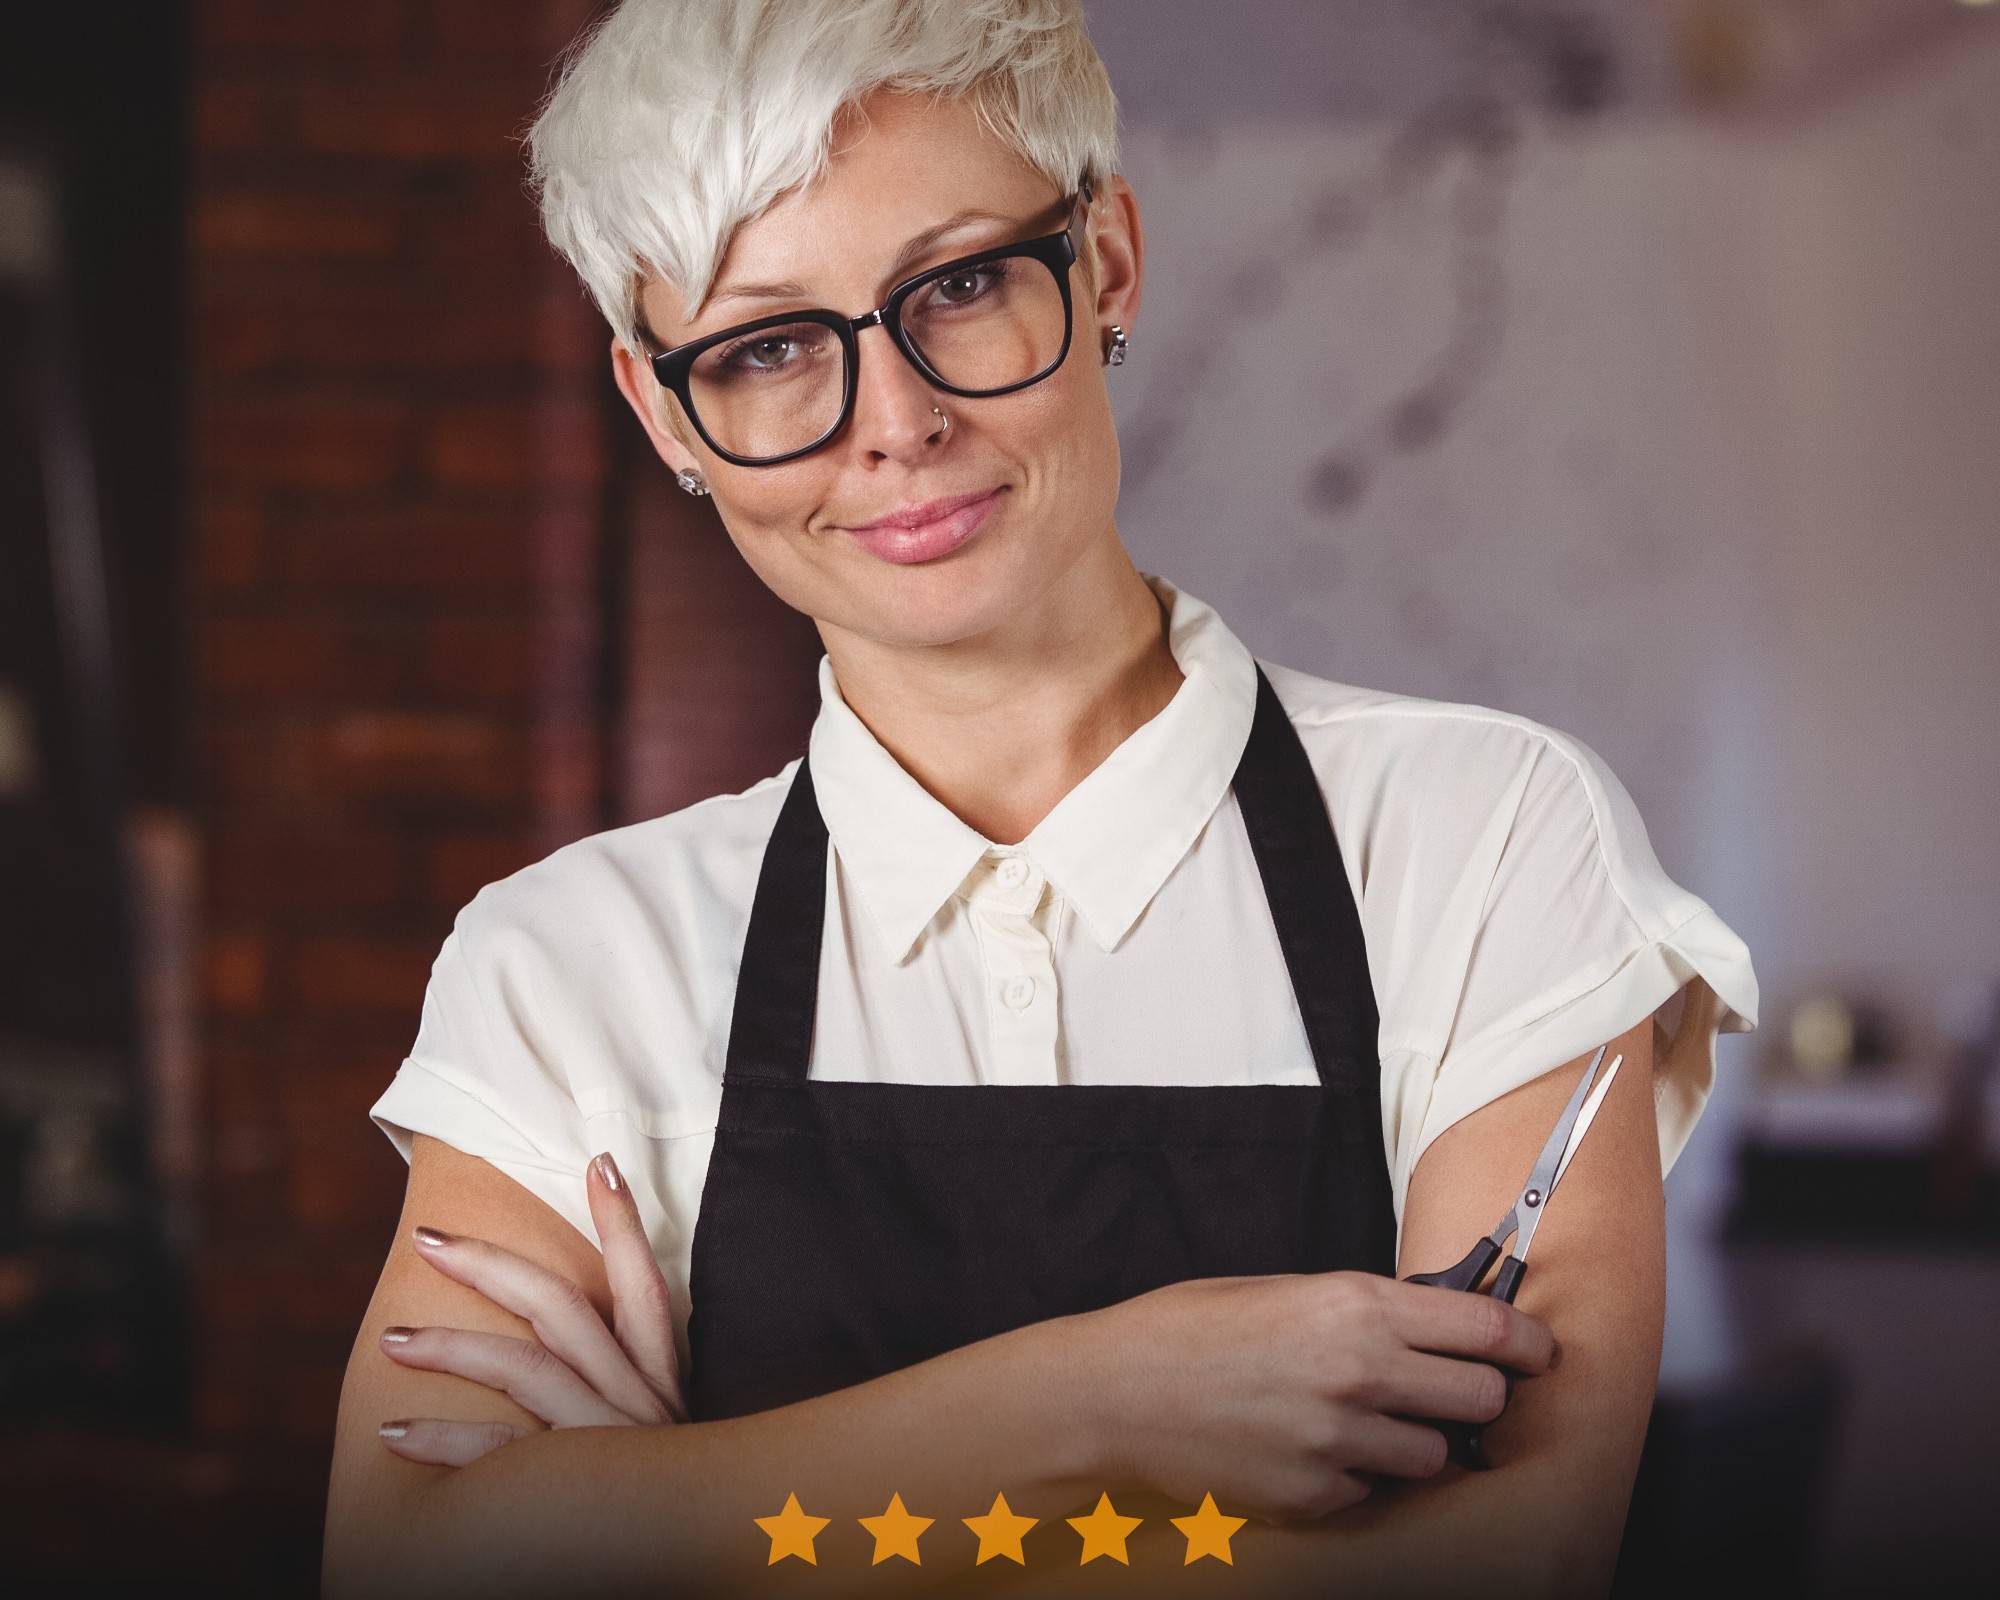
x: 849, y: 1229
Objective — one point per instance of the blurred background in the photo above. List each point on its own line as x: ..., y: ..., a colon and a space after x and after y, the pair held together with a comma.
x: 1631, y: 364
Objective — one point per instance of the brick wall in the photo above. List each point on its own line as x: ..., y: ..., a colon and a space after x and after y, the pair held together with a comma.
x: 400, y: 456
x: 448, y: 612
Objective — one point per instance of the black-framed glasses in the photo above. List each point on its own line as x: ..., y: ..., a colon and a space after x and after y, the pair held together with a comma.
x: 984, y: 324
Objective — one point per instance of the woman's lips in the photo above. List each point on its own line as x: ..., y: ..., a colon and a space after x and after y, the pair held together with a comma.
x: 930, y: 540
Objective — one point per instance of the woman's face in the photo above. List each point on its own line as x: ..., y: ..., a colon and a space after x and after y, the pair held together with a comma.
x: 1049, y: 449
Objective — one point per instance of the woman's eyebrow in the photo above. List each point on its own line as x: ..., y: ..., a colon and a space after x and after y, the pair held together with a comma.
x: 919, y: 244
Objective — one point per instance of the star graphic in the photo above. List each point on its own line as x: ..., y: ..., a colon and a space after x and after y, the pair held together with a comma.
x: 896, y: 1531
x: 1000, y: 1531
x: 1104, y: 1531
x: 1208, y: 1532
x: 792, y: 1532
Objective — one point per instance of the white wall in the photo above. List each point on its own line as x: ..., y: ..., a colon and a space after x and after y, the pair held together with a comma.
x: 1721, y: 500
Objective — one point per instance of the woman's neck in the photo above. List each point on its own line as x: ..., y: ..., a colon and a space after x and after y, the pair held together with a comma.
x: 999, y: 740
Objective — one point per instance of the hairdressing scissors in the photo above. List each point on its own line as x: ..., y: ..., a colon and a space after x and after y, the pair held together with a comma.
x: 1522, y: 1217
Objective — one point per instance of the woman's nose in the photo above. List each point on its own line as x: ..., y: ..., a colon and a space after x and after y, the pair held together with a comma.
x: 895, y: 407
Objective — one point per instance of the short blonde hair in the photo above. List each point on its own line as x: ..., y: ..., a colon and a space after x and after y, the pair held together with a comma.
x: 672, y: 121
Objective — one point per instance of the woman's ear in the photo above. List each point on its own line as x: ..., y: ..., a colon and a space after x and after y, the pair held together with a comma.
x: 1120, y: 244
x: 656, y: 409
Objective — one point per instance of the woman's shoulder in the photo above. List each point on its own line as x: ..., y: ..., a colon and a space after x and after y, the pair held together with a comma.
x: 699, y: 857
x: 1378, y: 749
x: 1463, y: 818
x: 629, y: 929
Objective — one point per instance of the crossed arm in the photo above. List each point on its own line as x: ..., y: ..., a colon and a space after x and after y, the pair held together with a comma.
x: 1545, y: 1520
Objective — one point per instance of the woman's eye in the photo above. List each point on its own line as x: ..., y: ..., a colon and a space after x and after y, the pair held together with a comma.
x: 968, y: 283
x: 757, y: 354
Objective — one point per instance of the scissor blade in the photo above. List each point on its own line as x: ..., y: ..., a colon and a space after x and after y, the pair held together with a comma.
x: 1583, y: 1122
x: 1549, y: 1164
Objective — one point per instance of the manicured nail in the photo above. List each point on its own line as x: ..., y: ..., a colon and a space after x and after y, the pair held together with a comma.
x: 607, y: 1169
x: 432, y: 1236
x: 393, y: 1430
x: 398, y: 1335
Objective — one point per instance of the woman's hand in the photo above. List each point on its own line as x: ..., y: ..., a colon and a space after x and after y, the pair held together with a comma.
x: 574, y: 1373
x: 1283, y: 1394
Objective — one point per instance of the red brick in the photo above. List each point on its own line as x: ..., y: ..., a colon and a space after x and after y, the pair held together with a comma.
x: 457, y: 866
x: 274, y: 224
x: 335, y: 1176
x: 238, y: 118
x: 569, y: 544
x: 287, y: 865
x: 518, y: 445
x: 229, y: 537
x: 242, y: 1099
x: 243, y: 763
x: 236, y: 971
x: 417, y: 117
x: 566, y: 774
x: 387, y: 326
x: 288, y: 658
x: 418, y: 765
x: 266, y: 28
x: 351, y: 974
x: 488, y: 661
x: 490, y: 231
x: 286, y: 441
x: 421, y: 759
x: 413, y: 550
x: 533, y: 31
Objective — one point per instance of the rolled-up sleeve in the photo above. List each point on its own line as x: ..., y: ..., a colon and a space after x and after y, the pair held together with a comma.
x: 481, y: 1077
x: 1569, y: 933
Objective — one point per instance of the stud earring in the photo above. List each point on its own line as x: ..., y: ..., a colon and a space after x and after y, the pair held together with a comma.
x: 1114, y: 351
x: 691, y: 481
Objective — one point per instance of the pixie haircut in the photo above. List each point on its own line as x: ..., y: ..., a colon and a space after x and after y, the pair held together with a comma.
x: 672, y: 121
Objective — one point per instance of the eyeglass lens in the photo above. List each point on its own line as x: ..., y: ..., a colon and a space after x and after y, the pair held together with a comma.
x: 779, y: 388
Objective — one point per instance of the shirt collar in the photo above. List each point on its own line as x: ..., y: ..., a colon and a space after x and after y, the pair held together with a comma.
x: 1107, y: 845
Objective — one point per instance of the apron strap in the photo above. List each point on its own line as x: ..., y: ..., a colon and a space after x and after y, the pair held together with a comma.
x: 777, y: 987
x: 1298, y: 859
x: 1305, y: 883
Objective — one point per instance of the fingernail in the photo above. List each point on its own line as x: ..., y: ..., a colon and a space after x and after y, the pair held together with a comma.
x: 607, y: 1169
x: 432, y: 1236
x: 398, y: 1335
x: 393, y: 1430
x: 1555, y: 1355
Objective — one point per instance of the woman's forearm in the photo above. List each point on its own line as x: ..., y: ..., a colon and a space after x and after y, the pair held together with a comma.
x: 672, y: 1510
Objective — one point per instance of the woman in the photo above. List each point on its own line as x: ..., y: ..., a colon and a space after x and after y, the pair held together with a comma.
x: 1027, y: 1102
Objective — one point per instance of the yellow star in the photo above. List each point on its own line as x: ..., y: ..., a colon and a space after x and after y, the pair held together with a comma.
x: 1000, y: 1531
x: 792, y: 1532
x: 1104, y: 1531
x: 1208, y: 1532
x: 896, y: 1531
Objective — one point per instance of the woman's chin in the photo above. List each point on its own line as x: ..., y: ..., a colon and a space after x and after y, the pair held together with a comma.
x: 932, y: 606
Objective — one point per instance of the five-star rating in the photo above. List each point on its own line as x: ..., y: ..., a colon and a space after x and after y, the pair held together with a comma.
x: 1000, y: 1532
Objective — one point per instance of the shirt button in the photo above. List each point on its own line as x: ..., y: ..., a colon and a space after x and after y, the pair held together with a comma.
x: 1011, y: 871
x: 1017, y: 992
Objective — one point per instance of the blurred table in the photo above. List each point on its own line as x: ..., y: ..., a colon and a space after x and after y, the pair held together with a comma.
x: 1858, y: 1158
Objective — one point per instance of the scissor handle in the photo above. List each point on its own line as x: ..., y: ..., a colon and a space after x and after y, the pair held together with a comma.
x: 1467, y: 1273
x: 1462, y: 1439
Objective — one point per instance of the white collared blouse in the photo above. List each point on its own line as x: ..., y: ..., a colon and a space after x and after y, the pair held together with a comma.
x: 1514, y: 912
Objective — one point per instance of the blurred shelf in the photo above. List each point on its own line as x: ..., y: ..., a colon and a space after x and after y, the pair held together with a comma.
x: 1884, y: 1112
x: 1864, y: 1160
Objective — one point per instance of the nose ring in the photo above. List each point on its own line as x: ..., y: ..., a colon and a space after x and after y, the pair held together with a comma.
x: 943, y: 418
